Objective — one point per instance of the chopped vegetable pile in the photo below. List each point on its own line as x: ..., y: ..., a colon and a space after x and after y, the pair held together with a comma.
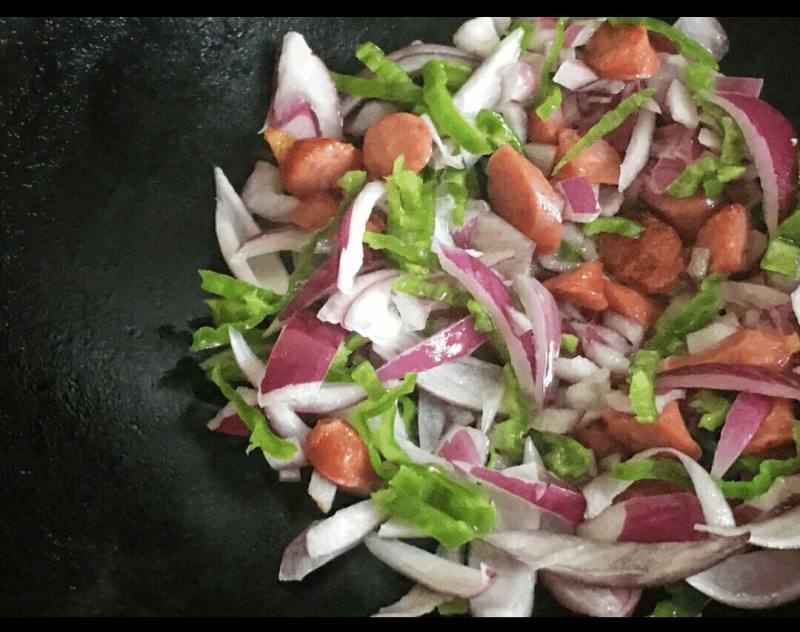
x: 532, y: 298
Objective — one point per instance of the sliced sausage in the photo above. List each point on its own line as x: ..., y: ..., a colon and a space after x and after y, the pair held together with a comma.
x: 316, y: 210
x: 599, y: 163
x: 546, y: 132
x: 754, y: 347
x: 336, y: 451
x: 669, y: 431
x: 316, y: 164
x: 622, y: 52
x: 521, y: 195
x: 686, y: 215
x: 630, y: 303
x: 726, y: 235
x: 583, y: 286
x: 650, y: 264
x: 776, y: 429
x: 398, y: 134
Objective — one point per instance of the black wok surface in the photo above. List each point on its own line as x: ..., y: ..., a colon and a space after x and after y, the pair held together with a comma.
x: 114, y: 498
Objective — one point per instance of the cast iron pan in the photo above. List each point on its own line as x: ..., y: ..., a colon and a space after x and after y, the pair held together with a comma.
x: 114, y: 498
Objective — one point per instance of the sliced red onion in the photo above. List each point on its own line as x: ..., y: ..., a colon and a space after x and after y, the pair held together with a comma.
x: 768, y: 136
x: 660, y: 518
x: 302, y: 353
x: 781, y: 491
x: 320, y: 283
x: 610, y: 200
x: 746, y: 86
x: 431, y: 420
x: 289, y: 476
x: 543, y: 156
x: 542, y: 311
x: 322, y: 491
x: 452, y: 343
x: 492, y: 234
x: 463, y: 236
x: 262, y: 194
x: 732, y: 377
x: 477, y: 36
x: 330, y: 538
x: 575, y: 369
x: 296, y: 563
x: 542, y: 37
x: 574, y: 75
x: 709, y: 138
x: 638, y: 150
x: 304, y: 78
x: 351, y: 234
x: 346, y: 526
x: 578, y: 34
x: 601, y: 491
x: 663, y: 173
x: 708, y: 32
x: 779, y: 532
x: 415, y: 454
x: 607, y: 350
x: 630, y: 329
x: 485, y: 286
x: 516, y: 118
x: 443, y: 155
x: 227, y: 421
x: 501, y: 25
x: 465, y: 445
x: 616, y: 564
x: 482, y: 90
x: 492, y: 401
x: 395, y: 530
x: 511, y: 594
x: 593, y: 601
x: 313, y: 397
x: 283, y: 239
x: 335, y: 308
x: 557, y: 420
x: 414, y: 312
x: 795, y: 306
x: 681, y: 105
x: 418, y: 602
x: 752, y: 294
x: 519, y: 82
x: 251, y: 366
x: 606, y: 86
x: 581, y: 200
x: 368, y: 115
x: 234, y: 227
x: 567, y: 503
x: 373, y: 315
x: 743, y: 421
x: 698, y: 263
x: 759, y: 580
x: 591, y: 393
x: 464, y: 382
x: 431, y: 570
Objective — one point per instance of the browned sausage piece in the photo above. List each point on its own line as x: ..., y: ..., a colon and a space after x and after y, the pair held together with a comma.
x: 521, y: 195
x: 398, y: 134
x: 650, y: 264
x: 316, y: 164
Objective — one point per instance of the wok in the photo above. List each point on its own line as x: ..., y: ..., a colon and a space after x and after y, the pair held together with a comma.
x: 115, y: 498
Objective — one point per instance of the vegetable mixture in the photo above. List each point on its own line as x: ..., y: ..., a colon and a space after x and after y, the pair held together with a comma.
x: 530, y: 301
